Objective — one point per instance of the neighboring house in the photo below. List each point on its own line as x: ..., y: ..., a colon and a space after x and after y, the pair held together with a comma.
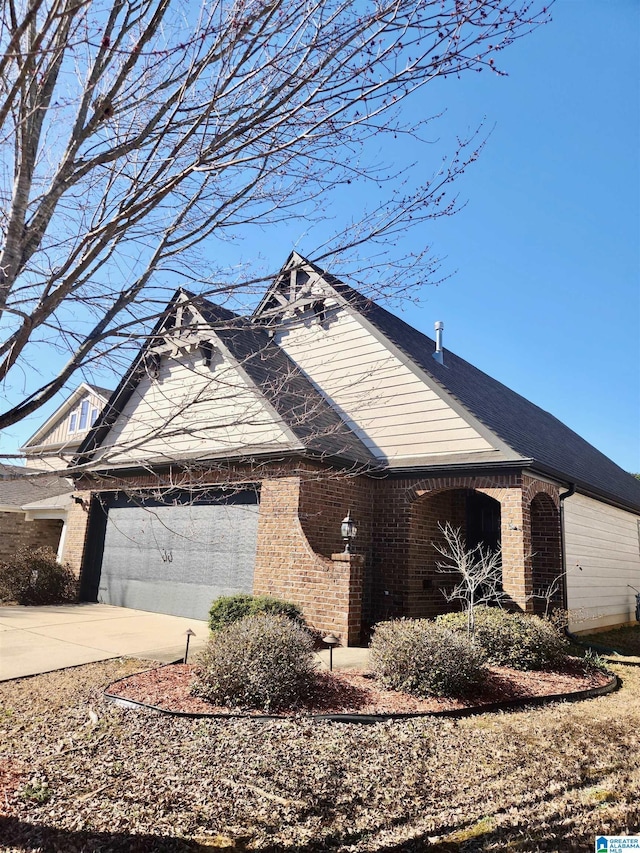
x: 34, y: 501
x: 56, y: 442
x: 33, y: 510
x: 234, y: 447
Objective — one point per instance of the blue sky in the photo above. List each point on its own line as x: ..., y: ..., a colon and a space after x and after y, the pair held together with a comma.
x: 545, y: 291
x: 545, y: 256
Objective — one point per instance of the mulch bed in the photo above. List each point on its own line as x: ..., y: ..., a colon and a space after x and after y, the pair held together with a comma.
x: 353, y: 692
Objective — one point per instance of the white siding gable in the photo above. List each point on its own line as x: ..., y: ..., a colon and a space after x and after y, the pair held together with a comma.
x: 390, y: 408
x: 191, y: 409
x: 603, y: 563
x: 53, y: 447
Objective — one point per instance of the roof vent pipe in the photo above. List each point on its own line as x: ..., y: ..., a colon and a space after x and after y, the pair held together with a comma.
x: 438, y: 355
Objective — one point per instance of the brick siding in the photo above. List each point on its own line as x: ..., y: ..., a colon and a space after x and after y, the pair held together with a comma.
x: 395, y: 573
x: 329, y: 591
x: 16, y: 533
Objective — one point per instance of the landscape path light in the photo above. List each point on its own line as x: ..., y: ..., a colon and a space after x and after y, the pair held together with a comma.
x: 348, y: 530
x: 189, y: 634
x: 331, y: 640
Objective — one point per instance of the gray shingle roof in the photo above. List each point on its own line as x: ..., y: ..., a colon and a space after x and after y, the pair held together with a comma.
x: 18, y: 491
x: 102, y: 392
x: 529, y: 430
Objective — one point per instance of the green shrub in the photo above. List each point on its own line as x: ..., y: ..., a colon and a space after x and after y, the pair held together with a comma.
x: 230, y: 608
x: 34, y: 577
x: 512, y: 639
x: 424, y: 658
x: 264, y: 661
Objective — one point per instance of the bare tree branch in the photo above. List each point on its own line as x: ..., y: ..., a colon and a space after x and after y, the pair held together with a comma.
x: 132, y: 134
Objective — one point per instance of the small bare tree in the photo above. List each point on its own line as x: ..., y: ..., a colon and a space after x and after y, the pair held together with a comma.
x: 480, y: 571
x: 550, y: 594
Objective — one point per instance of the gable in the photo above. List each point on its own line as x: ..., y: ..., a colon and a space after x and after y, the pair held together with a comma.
x: 52, y: 445
x: 387, y: 404
x: 481, y: 419
x: 183, y: 408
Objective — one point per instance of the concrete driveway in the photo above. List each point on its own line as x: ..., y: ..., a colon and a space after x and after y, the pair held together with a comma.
x: 41, y: 639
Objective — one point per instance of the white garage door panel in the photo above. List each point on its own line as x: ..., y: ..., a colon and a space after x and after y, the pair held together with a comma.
x: 177, y: 559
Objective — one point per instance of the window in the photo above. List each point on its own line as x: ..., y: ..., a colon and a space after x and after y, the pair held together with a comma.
x: 72, y: 421
x: 94, y: 415
x: 84, y: 413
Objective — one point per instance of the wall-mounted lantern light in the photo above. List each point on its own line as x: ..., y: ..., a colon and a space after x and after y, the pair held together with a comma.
x: 348, y: 530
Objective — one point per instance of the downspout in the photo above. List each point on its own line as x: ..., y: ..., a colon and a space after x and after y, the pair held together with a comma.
x: 563, y: 553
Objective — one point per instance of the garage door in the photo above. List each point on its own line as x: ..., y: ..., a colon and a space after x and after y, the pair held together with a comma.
x: 174, y: 557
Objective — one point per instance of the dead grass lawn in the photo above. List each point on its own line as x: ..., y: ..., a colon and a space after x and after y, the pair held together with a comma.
x: 625, y: 640
x: 80, y: 775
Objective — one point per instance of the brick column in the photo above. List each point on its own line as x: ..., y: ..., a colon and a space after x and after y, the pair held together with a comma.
x: 349, y: 577
x: 76, y: 532
x: 287, y: 566
x: 516, y: 548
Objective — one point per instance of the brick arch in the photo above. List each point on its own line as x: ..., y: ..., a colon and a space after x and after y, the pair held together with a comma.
x: 536, y: 487
x: 489, y: 485
x: 445, y: 501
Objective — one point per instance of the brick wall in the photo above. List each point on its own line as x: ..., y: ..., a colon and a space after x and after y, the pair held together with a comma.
x: 542, y: 506
x: 302, y: 505
x: 426, y: 582
x: 76, y: 535
x: 323, y: 502
x: 16, y: 533
x: 288, y: 567
x: 406, y: 581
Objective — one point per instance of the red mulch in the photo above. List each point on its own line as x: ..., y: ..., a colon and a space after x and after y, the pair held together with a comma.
x: 344, y: 692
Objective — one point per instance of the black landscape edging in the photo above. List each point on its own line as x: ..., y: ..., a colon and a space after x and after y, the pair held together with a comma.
x: 369, y: 719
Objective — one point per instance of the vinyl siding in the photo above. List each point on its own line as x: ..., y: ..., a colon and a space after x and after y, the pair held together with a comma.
x: 603, y: 561
x: 393, y: 412
x: 190, y: 408
x: 60, y: 433
x: 58, y: 439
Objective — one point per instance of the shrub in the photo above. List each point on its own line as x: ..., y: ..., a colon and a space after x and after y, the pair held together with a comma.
x: 230, y: 608
x: 34, y: 577
x: 512, y: 639
x: 264, y: 661
x: 425, y: 658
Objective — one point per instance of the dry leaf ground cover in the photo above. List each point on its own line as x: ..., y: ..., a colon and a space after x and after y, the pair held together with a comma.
x: 82, y: 775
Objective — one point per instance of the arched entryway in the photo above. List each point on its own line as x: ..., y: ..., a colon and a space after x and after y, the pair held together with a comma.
x: 546, y: 554
x: 476, y: 514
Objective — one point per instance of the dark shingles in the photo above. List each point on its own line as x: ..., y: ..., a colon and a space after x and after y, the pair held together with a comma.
x: 100, y: 391
x: 21, y: 489
x: 529, y: 430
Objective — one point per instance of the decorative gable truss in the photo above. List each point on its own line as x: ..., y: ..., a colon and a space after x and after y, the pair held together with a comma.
x: 299, y: 290
x: 189, y: 396
x: 397, y: 412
